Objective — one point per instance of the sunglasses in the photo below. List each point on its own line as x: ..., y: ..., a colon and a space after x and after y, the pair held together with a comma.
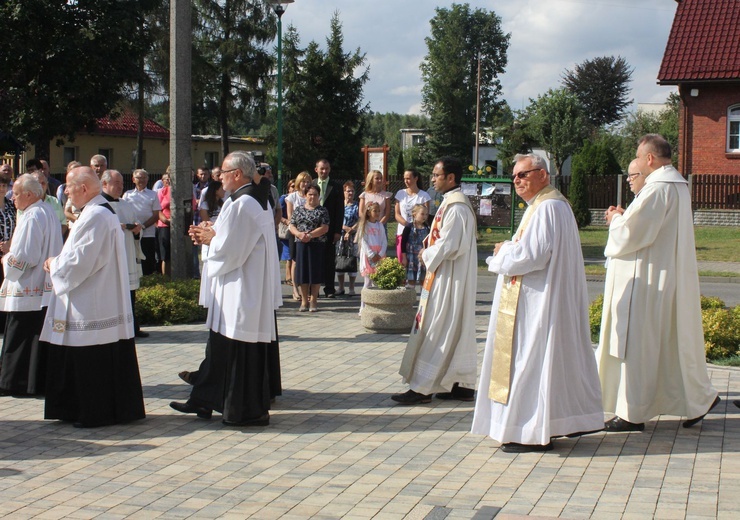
x: 522, y: 175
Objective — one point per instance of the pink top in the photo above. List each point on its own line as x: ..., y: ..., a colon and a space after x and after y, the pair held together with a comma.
x: 381, y: 198
x: 164, y: 202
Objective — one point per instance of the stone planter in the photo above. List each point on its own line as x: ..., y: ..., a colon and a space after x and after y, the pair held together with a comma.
x: 388, y: 310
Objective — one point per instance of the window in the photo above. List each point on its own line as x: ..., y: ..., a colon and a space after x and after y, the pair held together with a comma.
x: 733, y: 129
x: 418, y: 140
x: 211, y: 159
x: 70, y: 154
x: 108, y: 154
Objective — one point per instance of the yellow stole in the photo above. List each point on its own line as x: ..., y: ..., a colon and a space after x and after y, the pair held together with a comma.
x: 415, y: 339
x: 498, y: 389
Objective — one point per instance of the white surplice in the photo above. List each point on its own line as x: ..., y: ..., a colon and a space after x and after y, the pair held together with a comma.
x: 37, y: 236
x: 651, y: 351
x: 245, y: 272
x: 91, y: 304
x: 554, y: 383
x: 127, y: 215
x: 445, y: 351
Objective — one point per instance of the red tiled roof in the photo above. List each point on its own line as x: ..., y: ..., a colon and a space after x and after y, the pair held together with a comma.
x: 704, y: 43
x: 127, y: 125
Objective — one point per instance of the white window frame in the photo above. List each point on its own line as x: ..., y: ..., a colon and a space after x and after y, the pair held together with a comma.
x: 733, y: 119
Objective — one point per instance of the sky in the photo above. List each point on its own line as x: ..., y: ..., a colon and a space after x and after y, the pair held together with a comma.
x: 547, y: 37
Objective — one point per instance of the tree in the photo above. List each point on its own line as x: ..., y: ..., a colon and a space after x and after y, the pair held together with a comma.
x: 640, y: 123
x: 578, y: 191
x: 602, y: 86
x: 230, y: 39
x: 383, y: 129
x: 557, y: 123
x: 323, y: 103
x: 458, y: 38
x: 45, y: 89
x: 400, y: 166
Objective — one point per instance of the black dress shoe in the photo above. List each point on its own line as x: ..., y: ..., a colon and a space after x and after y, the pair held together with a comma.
x: 411, y: 398
x: 187, y: 407
x: 692, y: 422
x: 186, y: 376
x: 736, y: 403
x: 515, y: 447
x: 260, y: 421
x: 458, y: 393
x: 141, y: 334
x: 617, y: 424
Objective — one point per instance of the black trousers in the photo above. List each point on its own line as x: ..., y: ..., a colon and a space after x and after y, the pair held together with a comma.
x: 329, y: 267
x: 24, y: 357
x: 149, y: 248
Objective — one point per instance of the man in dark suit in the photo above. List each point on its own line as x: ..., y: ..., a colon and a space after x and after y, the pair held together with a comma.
x: 332, y: 199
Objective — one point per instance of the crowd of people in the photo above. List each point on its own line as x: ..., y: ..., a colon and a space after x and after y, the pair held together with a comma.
x: 70, y: 276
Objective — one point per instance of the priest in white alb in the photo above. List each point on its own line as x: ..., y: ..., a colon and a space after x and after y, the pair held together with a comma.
x: 234, y: 377
x: 651, y: 350
x: 539, y: 378
x: 26, y: 290
x: 93, y: 377
x: 441, y: 355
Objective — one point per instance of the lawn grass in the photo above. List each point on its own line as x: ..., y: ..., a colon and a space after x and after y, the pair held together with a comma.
x: 713, y: 244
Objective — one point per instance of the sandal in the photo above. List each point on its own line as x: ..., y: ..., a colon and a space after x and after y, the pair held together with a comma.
x: 289, y: 282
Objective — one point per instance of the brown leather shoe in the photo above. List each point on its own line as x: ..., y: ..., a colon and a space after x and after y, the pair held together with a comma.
x: 617, y: 424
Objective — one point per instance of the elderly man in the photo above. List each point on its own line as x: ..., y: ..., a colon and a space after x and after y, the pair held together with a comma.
x: 99, y: 163
x: 26, y: 290
x: 539, y: 377
x: 112, y: 182
x: 234, y: 378
x: 651, y: 351
x: 635, y: 179
x: 146, y: 208
x: 441, y: 355
x: 89, y: 323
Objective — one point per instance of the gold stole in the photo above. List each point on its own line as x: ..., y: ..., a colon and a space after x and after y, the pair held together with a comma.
x: 498, y: 389
x: 409, y: 357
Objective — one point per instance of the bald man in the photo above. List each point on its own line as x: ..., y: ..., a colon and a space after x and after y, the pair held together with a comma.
x: 89, y: 323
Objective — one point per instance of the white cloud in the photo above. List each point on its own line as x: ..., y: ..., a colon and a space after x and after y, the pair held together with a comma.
x: 547, y: 37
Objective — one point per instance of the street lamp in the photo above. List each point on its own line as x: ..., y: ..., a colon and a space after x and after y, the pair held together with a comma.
x: 279, y: 6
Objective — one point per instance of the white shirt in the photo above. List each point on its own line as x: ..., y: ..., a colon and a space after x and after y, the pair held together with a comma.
x: 145, y: 203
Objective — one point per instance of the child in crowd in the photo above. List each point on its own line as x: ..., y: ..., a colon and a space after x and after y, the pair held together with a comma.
x: 373, y: 241
x: 412, y: 242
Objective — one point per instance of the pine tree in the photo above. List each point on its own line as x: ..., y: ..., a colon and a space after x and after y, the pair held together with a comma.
x: 578, y: 191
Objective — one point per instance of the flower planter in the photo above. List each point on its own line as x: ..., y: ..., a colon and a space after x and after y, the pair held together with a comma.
x: 388, y: 310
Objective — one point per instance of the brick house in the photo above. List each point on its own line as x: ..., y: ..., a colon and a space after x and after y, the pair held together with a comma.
x: 702, y: 57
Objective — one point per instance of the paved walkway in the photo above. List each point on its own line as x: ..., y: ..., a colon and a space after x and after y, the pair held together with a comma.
x: 338, y: 448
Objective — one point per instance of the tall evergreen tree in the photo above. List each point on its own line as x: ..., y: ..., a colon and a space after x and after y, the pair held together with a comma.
x: 450, y: 73
x: 230, y: 38
x: 324, y: 108
x: 578, y: 191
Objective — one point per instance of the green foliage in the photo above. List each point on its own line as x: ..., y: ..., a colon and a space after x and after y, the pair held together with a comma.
x: 66, y: 63
x: 459, y: 35
x: 721, y: 326
x: 380, y: 129
x: 160, y: 301
x: 323, y: 104
x: 640, y: 123
x: 711, y: 302
x: 721, y: 332
x: 400, y: 166
x: 578, y: 191
x: 602, y: 86
x: 558, y: 124
x: 594, y: 317
x: 389, y: 274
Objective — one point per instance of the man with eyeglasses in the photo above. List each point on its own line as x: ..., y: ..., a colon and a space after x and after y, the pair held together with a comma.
x: 539, y: 378
x: 651, y: 350
x: 441, y: 355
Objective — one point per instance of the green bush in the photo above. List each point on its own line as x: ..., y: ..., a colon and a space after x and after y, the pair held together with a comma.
x: 711, y: 302
x: 161, y: 301
x: 721, y: 332
x: 389, y: 274
x: 594, y: 317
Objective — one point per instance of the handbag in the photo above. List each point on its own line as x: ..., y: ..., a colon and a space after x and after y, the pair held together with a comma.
x: 283, y: 230
x: 345, y: 261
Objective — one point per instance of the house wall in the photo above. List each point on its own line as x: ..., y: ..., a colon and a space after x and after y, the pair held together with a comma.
x: 702, y: 132
x: 156, y: 152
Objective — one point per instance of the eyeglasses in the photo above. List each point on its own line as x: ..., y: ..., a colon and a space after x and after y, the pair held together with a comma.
x: 631, y: 176
x: 228, y: 171
x: 522, y: 175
